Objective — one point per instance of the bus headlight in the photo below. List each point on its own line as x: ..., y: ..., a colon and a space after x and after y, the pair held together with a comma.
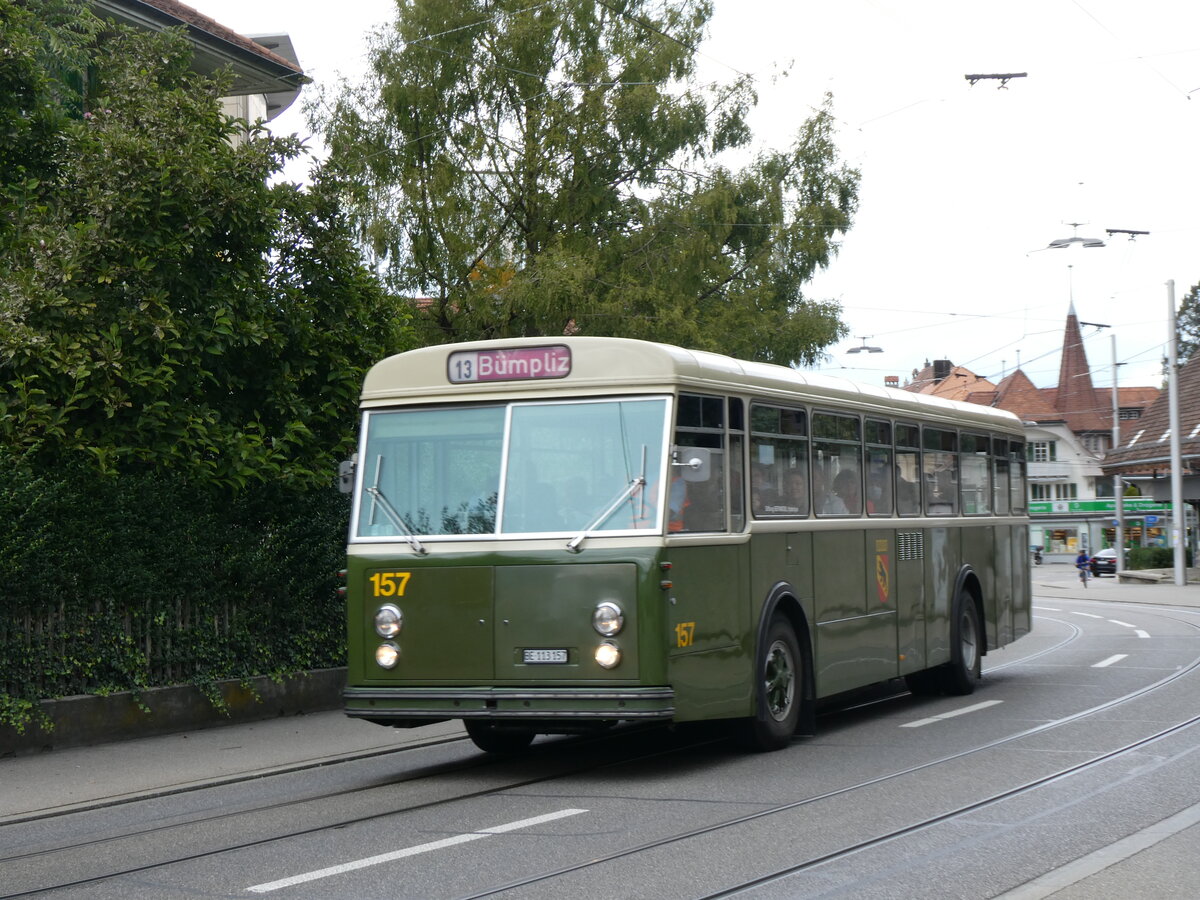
x: 608, y: 655
x: 608, y: 619
x: 388, y: 621
x: 387, y: 655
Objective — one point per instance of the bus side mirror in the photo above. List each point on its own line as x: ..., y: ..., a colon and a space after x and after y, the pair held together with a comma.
x: 694, y: 463
x: 345, y: 479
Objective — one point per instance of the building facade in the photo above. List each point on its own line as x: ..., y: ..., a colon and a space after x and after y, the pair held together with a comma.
x: 1072, y: 499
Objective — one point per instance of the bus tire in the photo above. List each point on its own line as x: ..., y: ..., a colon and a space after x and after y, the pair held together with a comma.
x: 778, y: 682
x: 499, y: 739
x: 966, y: 641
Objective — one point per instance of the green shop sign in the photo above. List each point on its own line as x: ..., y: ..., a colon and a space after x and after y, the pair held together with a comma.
x: 1109, y: 507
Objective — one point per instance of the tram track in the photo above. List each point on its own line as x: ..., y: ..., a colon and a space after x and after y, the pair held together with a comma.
x: 635, y: 758
x: 963, y: 810
x: 851, y: 849
x: 912, y: 828
x: 48, y: 853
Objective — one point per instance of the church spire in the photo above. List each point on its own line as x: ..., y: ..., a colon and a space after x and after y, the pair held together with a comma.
x: 1076, y: 396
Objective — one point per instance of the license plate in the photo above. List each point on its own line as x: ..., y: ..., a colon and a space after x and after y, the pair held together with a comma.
x: 545, y: 656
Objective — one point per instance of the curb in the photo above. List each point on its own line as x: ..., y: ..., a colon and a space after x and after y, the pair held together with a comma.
x: 88, y: 719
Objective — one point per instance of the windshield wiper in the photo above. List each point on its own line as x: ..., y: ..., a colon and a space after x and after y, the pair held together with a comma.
x: 405, y: 531
x: 639, y: 481
x: 397, y: 520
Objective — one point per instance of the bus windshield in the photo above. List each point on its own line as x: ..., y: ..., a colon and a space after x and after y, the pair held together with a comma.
x: 519, y: 468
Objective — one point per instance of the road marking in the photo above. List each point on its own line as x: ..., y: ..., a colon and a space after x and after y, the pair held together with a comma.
x: 1074, y: 872
x: 1048, y: 608
x: 1104, y: 663
x: 411, y: 851
x: 950, y: 715
x: 1141, y: 633
x: 1087, y: 615
x: 1122, y: 624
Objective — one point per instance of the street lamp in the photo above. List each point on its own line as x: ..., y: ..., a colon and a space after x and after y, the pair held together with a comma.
x: 864, y: 348
x: 1061, y: 243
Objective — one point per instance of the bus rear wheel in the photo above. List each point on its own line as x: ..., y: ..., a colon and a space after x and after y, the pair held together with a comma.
x: 966, y: 641
x: 499, y: 739
x: 778, y: 677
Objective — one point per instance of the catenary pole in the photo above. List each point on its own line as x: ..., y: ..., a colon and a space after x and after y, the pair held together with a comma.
x: 1177, y: 510
x: 1118, y: 485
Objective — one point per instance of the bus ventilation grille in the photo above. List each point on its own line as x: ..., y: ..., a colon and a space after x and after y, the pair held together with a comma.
x: 910, y: 545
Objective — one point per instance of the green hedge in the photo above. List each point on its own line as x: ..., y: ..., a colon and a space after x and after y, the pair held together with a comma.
x: 116, y: 584
x: 1153, y: 558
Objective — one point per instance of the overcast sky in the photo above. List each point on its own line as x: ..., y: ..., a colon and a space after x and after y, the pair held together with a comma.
x: 963, y: 186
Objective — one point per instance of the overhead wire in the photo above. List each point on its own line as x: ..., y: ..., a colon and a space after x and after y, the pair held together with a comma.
x: 693, y: 48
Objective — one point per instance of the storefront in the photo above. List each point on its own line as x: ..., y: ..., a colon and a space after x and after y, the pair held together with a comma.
x: 1064, y: 527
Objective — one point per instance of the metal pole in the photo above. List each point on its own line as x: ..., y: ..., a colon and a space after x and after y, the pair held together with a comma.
x: 1177, y: 511
x: 1118, y: 486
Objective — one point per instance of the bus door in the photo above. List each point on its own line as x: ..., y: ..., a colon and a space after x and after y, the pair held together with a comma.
x: 705, y: 608
x: 852, y: 562
x: 856, y: 596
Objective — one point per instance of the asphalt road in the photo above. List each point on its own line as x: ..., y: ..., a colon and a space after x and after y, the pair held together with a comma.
x: 1071, y: 772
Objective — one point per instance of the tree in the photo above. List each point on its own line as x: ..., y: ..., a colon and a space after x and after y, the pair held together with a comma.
x: 161, y: 303
x: 1187, y: 324
x: 43, y: 64
x: 535, y: 170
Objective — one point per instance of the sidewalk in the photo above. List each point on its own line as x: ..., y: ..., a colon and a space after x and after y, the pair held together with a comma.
x: 107, y: 774
x: 1056, y: 580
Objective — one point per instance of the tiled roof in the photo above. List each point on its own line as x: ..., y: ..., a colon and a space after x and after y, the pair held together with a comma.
x: 1146, y: 442
x: 1136, y: 396
x: 957, y: 385
x: 983, y: 398
x: 1017, y: 394
x: 920, y: 378
x: 198, y: 20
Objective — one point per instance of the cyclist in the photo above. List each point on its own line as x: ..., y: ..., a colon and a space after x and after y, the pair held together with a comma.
x: 1083, y: 562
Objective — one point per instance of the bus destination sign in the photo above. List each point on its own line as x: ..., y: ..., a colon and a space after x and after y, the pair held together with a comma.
x: 516, y: 364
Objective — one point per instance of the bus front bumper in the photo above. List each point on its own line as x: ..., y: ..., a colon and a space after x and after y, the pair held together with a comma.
x: 406, y: 706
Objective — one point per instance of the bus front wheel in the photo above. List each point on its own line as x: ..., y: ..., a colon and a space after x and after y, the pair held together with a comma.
x: 777, y: 680
x: 966, y: 640
x: 499, y: 739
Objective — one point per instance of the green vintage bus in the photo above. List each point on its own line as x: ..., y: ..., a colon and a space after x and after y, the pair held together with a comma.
x: 551, y: 536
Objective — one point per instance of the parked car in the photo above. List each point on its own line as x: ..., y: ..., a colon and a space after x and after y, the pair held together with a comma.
x: 1104, y: 562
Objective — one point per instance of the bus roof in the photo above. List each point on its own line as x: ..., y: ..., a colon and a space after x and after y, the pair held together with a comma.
x: 597, y: 365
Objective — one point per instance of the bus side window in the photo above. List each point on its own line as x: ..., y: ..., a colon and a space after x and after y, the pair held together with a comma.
x: 837, y: 465
x: 879, y: 468
x: 908, y: 470
x: 700, y: 505
x: 940, y: 463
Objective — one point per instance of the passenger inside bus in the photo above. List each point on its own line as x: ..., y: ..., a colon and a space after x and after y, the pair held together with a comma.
x: 846, y: 498
x: 762, y: 491
x: 796, y: 493
x: 879, y: 488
